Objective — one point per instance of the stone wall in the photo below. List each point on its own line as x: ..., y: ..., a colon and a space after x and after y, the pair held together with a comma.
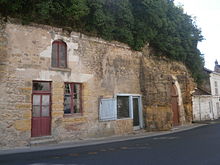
x: 104, y: 69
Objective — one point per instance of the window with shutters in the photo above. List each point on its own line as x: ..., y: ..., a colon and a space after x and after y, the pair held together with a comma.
x: 216, y: 88
x: 73, y: 98
x: 59, y: 54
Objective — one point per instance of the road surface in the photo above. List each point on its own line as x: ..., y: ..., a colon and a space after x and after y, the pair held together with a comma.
x: 199, y: 146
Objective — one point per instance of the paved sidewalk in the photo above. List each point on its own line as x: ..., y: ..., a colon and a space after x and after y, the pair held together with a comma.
x: 86, y: 142
x: 208, y: 121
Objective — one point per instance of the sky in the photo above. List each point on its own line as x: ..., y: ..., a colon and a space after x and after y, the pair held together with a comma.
x: 207, y: 13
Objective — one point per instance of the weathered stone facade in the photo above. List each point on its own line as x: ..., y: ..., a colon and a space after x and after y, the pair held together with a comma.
x: 105, y: 69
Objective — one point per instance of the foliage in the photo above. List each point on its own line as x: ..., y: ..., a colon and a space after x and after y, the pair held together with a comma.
x: 135, y: 22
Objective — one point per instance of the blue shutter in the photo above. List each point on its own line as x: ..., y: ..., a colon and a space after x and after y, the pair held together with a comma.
x: 107, y: 109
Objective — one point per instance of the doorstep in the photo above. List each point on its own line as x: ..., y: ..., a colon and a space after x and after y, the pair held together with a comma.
x: 42, y: 141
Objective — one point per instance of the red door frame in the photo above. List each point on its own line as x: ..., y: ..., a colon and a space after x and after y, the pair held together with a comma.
x: 41, y: 126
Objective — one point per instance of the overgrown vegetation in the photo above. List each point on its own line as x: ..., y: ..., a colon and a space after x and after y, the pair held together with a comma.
x: 135, y: 22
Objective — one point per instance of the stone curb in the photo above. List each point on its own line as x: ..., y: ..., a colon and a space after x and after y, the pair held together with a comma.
x: 97, y: 141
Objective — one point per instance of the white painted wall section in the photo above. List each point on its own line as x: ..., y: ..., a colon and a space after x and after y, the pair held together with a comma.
x: 205, y: 107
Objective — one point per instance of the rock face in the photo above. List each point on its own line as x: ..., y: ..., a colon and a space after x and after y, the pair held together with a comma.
x: 104, y: 69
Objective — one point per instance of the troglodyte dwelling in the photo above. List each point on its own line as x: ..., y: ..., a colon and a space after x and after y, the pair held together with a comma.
x: 68, y: 86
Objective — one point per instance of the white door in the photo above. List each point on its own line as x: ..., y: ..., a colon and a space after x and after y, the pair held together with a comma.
x: 137, y: 113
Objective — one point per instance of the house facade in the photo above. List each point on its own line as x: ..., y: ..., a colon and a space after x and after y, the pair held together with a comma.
x: 206, y: 100
x: 68, y: 86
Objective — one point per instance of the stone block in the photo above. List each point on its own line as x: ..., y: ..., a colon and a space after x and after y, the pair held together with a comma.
x: 27, y: 114
x: 57, y: 114
x: 22, y: 125
x: 25, y: 90
x: 28, y: 99
x: 2, y: 68
x: 58, y: 91
x: 58, y: 98
x: 86, y: 92
x: 58, y: 85
x: 69, y: 119
x: 23, y: 106
x: 28, y: 84
x: 57, y: 107
x: 123, y: 126
x: 76, y: 126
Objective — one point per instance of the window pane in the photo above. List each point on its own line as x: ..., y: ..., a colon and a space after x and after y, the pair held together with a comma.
x: 76, y: 101
x: 54, y: 60
x: 123, y: 107
x: 41, y: 86
x: 36, y: 111
x: 36, y: 99
x: 136, y: 120
x: 67, y: 104
x: 76, y: 91
x: 45, y: 111
x: 62, y: 55
x: 216, y: 91
x: 45, y: 100
x: 67, y: 88
x: 76, y: 105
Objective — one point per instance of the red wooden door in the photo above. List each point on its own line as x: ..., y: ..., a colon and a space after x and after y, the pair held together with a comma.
x: 41, y: 106
x: 174, y: 105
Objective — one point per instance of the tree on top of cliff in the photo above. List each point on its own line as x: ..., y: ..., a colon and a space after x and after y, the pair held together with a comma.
x: 135, y: 22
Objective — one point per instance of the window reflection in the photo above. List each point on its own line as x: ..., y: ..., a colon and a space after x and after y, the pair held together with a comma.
x: 41, y: 86
x: 123, y: 106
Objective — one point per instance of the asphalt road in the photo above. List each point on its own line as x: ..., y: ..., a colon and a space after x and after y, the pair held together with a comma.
x: 200, y: 146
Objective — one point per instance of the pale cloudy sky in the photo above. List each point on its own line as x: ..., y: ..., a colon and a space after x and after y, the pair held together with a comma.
x: 207, y: 13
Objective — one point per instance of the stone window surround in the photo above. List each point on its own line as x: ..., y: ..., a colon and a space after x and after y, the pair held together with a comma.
x: 60, y: 69
x: 59, y: 44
